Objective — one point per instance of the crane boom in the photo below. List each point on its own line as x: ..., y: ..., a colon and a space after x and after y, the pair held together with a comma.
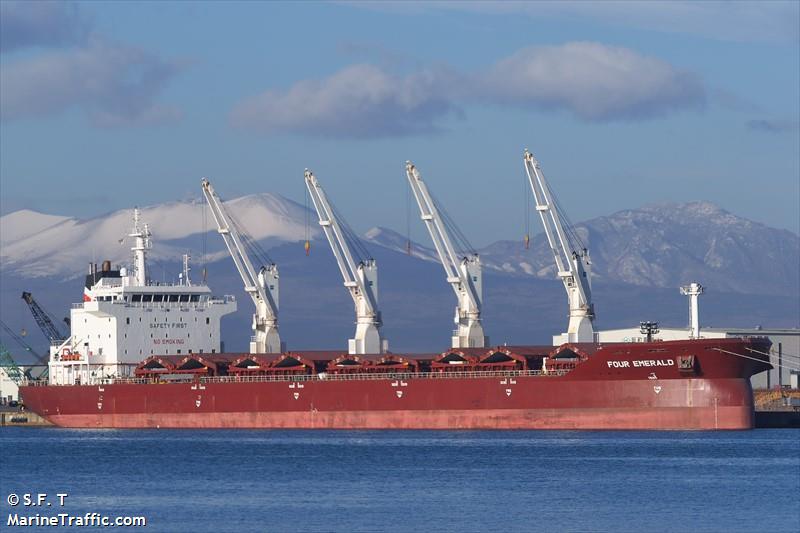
x: 572, y: 262
x: 262, y: 287
x: 43, y: 320
x: 463, y: 272
x: 40, y: 360
x: 12, y: 370
x: 360, y: 279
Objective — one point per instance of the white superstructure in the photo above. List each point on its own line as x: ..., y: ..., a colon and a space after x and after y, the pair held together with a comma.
x: 124, y: 318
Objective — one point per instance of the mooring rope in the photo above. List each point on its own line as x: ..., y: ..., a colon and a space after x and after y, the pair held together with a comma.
x: 752, y: 358
x: 773, y: 352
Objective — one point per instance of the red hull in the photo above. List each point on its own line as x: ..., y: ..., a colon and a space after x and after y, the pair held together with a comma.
x: 595, y: 395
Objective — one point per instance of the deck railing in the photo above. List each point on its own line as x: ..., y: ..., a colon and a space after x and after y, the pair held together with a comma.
x: 333, y: 377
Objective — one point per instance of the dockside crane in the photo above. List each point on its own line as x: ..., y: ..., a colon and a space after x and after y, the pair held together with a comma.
x: 262, y: 286
x: 44, y: 320
x: 12, y: 370
x: 8, y: 361
x: 360, y: 278
x: 572, y: 258
x: 463, y: 270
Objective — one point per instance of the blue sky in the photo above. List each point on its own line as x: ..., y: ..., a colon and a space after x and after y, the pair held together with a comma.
x: 107, y: 105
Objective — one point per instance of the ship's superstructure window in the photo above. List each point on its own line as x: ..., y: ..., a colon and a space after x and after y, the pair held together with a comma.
x: 136, y: 297
x: 147, y: 297
x: 173, y: 297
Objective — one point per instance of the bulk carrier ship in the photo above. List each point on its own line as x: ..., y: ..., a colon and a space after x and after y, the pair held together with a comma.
x: 145, y: 355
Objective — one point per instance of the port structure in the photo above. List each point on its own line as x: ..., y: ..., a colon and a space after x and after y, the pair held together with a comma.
x: 262, y: 287
x: 12, y: 370
x: 463, y: 269
x: 360, y: 278
x: 43, y: 320
x: 572, y: 259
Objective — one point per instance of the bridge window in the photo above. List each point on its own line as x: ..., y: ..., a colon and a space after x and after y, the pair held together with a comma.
x: 136, y: 297
x: 147, y: 297
x: 195, y: 298
x: 173, y: 297
x: 184, y: 297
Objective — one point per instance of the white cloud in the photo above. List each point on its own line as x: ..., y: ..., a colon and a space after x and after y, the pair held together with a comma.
x: 591, y: 80
x: 594, y: 81
x: 114, y: 84
x: 357, y: 101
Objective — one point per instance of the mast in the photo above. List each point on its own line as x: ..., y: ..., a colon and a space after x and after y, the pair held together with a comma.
x: 141, y: 243
x: 463, y: 271
x: 262, y: 287
x: 693, y: 291
x: 360, y: 279
x: 572, y: 260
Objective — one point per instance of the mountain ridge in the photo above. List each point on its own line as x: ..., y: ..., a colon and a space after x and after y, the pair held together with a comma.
x: 660, y: 245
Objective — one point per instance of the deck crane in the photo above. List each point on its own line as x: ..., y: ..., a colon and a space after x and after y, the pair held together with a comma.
x: 262, y: 286
x: 571, y: 257
x: 44, y: 320
x: 361, y: 279
x: 463, y: 271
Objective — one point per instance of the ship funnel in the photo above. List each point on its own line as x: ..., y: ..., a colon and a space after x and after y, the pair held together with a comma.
x: 106, y: 266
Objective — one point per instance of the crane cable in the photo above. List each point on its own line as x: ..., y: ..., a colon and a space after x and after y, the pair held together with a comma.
x: 307, y: 244
x: 204, y: 259
x: 408, y: 220
x: 527, y: 195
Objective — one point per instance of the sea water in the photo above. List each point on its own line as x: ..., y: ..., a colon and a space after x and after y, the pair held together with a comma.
x: 418, y: 481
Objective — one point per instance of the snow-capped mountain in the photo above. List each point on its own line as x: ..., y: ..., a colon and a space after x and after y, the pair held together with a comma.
x: 659, y: 246
x: 666, y: 246
x: 37, y: 245
x: 392, y: 240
